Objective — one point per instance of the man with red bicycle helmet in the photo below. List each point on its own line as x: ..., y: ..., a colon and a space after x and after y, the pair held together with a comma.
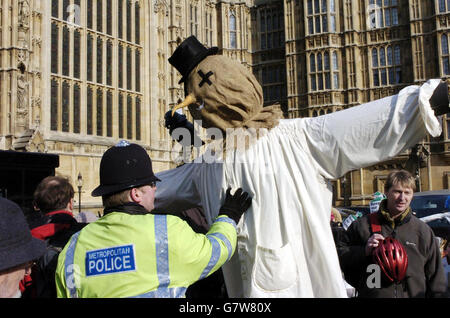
x: 391, y: 253
x: 392, y: 258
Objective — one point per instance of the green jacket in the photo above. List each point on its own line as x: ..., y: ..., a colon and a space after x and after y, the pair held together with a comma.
x: 143, y: 255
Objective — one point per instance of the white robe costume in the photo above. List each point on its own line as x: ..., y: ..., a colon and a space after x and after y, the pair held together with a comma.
x: 285, y: 245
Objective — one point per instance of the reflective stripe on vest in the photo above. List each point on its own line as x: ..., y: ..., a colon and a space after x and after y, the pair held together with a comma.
x: 227, y: 220
x: 162, y: 264
x: 222, y: 237
x: 176, y: 292
x: 69, y: 267
x: 162, y: 255
x: 162, y: 260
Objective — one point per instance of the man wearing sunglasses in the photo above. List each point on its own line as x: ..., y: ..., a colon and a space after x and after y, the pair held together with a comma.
x: 130, y: 252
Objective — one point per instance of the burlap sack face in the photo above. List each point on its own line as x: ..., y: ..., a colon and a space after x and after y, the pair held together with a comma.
x: 234, y: 98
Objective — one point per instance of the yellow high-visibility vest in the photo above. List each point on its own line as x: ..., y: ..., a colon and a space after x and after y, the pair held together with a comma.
x: 124, y: 255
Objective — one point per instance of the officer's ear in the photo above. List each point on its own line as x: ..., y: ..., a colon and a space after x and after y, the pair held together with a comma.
x: 136, y: 195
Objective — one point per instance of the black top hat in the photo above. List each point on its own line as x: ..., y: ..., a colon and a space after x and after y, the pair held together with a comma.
x: 122, y: 167
x: 188, y: 54
x: 17, y: 246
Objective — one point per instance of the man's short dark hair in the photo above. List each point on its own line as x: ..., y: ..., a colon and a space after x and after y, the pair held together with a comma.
x: 53, y: 193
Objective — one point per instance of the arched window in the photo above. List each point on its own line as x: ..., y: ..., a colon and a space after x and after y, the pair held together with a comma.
x: 327, y: 61
x: 319, y: 61
x: 442, y: 5
x: 321, y: 16
x: 386, y: 65
x: 374, y: 57
x: 312, y: 69
x: 445, y: 55
x: 193, y: 20
x: 232, y: 23
x: 385, y: 13
x: 444, y: 44
x: 382, y: 57
x: 271, y: 28
x: 335, y: 70
x: 83, y: 87
x: 323, y: 71
x: 312, y: 63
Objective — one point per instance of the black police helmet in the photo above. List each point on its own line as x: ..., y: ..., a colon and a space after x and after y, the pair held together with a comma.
x: 122, y: 167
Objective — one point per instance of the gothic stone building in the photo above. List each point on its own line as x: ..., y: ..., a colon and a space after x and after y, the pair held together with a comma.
x: 77, y: 76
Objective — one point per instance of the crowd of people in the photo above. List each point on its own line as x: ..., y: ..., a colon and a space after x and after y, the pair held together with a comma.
x: 132, y: 252
x: 136, y: 249
x: 156, y: 255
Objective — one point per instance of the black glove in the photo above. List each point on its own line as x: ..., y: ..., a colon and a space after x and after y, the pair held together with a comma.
x: 439, y: 99
x: 180, y: 121
x: 235, y: 205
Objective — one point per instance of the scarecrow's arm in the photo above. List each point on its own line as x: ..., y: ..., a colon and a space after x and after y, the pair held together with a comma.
x: 177, y: 191
x: 195, y: 184
x: 373, y: 132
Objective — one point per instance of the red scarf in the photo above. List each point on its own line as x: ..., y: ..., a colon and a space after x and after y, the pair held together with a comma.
x: 50, y: 229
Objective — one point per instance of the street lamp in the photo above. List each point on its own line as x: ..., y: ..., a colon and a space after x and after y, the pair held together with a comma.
x: 344, y: 183
x: 80, y: 185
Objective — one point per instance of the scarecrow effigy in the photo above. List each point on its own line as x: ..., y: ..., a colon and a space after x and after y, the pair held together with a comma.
x: 285, y: 245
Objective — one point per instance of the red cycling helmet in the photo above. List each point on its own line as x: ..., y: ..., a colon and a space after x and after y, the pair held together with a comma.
x: 391, y: 256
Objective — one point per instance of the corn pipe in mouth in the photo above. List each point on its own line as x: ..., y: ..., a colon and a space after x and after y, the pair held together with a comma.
x: 190, y: 99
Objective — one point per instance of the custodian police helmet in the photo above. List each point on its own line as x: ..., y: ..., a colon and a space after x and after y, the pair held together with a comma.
x: 122, y: 167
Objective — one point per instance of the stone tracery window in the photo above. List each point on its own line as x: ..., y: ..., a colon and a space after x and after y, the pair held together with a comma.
x: 323, y: 71
x: 208, y: 28
x: 232, y: 26
x: 443, y: 6
x: 321, y: 16
x: 383, y: 13
x: 271, y: 27
x: 193, y: 18
x: 445, y: 55
x: 85, y: 87
x: 386, y: 65
x: 273, y: 82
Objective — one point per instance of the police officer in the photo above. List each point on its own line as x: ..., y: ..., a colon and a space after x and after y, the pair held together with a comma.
x: 130, y: 252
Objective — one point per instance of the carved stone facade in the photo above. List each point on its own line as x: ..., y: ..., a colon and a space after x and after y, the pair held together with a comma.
x: 76, y: 76
x: 344, y: 53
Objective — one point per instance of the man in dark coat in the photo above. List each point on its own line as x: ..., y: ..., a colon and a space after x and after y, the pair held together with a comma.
x: 53, y: 198
x: 424, y: 274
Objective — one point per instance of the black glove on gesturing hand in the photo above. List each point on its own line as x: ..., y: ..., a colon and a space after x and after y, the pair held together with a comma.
x: 175, y: 121
x: 235, y: 205
x: 180, y: 121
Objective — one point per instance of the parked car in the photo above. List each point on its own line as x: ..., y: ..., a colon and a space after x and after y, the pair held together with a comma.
x: 430, y: 202
x: 439, y: 223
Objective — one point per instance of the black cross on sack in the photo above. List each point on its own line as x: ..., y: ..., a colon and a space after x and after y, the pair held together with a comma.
x: 205, y: 78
